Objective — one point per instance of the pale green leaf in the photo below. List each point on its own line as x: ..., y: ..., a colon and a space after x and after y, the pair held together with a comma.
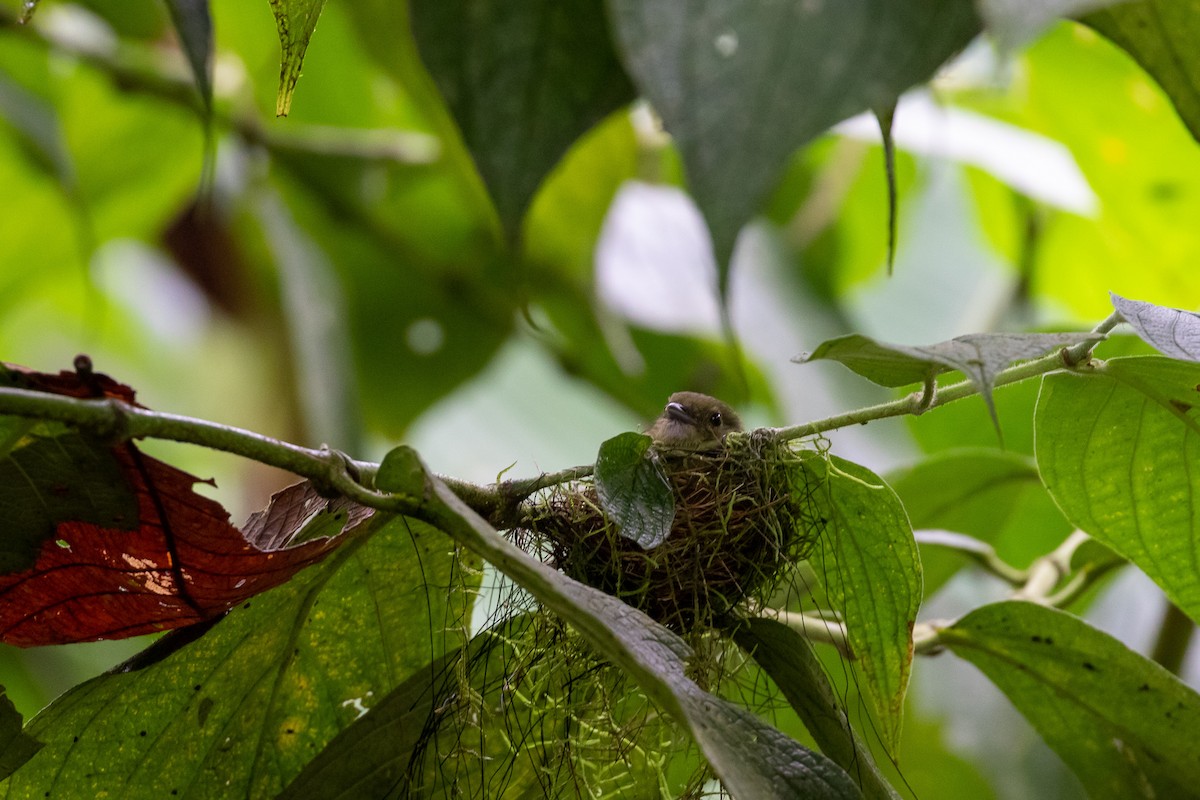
x: 1174, y: 332
x: 1126, y: 726
x: 1118, y: 450
x: 633, y: 490
x: 295, y: 20
x: 869, y: 564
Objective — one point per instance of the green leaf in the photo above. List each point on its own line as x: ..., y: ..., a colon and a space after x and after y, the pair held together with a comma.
x: 979, y: 356
x: 869, y: 564
x: 995, y: 497
x: 1174, y: 332
x: 295, y: 20
x: 742, y: 84
x: 1160, y: 36
x: 240, y: 710
x: 401, y: 472
x: 194, y: 27
x: 789, y: 659
x: 751, y: 758
x: 633, y: 490
x: 1117, y: 449
x: 1126, y: 726
x: 523, y: 79
x: 36, y: 122
x: 16, y: 747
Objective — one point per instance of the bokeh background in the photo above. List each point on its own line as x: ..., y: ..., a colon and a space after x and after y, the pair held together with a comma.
x: 331, y: 277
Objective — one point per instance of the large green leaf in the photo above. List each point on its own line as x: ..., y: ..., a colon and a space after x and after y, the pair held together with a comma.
x: 741, y: 84
x: 871, y: 570
x: 751, y: 758
x: 243, y: 708
x: 524, y: 79
x: 994, y: 496
x: 1118, y: 451
x: 1126, y: 726
x: 789, y: 659
x: 1161, y: 36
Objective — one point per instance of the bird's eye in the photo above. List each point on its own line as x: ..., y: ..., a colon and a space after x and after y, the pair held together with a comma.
x: 715, y: 419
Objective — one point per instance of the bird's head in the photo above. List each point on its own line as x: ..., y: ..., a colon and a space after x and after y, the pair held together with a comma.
x: 694, y: 421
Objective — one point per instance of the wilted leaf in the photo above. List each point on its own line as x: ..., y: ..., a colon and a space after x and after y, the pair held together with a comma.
x: 194, y: 27
x: 241, y: 710
x: 16, y: 747
x: 788, y: 658
x: 1172, y: 331
x: 524, y: 79
x: 1125, y: 725
x: 742, y: 84
x: 751, y: 758
x: 105, y: 542
x: 633, y: 490
x: 979, y: 356
x: 1160, y: 36
x: 1118, y: 450
x: 296, y: 20
x: 871, y: 570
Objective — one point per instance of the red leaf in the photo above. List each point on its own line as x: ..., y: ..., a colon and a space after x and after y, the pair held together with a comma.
x: 123, y: 544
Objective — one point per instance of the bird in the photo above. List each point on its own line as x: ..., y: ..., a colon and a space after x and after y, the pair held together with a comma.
x: 693, y: 421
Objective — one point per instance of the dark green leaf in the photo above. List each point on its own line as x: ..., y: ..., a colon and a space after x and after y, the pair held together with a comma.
x: 295, y: 20
x: 1117, y: 450
x: 886, y: 117
x: 979, y: 356
x: 524, y: 79
x: 48, y: 480
x: 633, y: 490
x: 789, y: 659
x: 16, y: 747
x: 741, y: 84
x: 995, y: 497
x: 401, y: 472
x: 1125, y: 725
x: 1160, y: 35
x: 751, y: 758
x: 194, y: 27
x: 1174, y: 332
x: 240, y: 710
x: 869, y: 564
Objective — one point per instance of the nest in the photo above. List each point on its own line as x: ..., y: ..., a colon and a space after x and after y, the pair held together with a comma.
x: 742, y: 514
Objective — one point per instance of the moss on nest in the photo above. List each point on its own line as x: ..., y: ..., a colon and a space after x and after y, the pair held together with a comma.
x: 741, y: 515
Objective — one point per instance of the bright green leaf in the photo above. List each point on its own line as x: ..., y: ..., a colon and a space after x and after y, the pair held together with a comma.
x: 194, y: 27
x: 979, y: 356
x: 751, y: 758
x: 742, y: 84
x: 16, y: 747
x: 1117, y: 449
x: 296, y: 20
x: 789, y: 659
x: 1160, y: 35
x: 869, y: 564
x: 524, y: 79
x: 1126, y: 726
x: 996, y: 497
x: 240, y: 710
x: 633, y: 490
x: 1174, y: 332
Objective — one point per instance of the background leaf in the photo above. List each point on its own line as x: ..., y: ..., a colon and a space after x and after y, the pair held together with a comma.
x: 244, y: 707
x: 1126, y: 476
x: 524, y: 80
x: 1123, y: 724
x: 1014, y: 22
x: 633, y: 490
x: 1171, y: 331
x: 869, y: 564
x: 741, y: 85
x: 16, y: 747
x: 194, y: 26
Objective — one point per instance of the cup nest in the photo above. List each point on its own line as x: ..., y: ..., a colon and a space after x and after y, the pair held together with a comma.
x: 742, y: 515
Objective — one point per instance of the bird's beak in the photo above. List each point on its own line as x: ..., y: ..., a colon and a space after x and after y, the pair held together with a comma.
x: 678, y: 413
